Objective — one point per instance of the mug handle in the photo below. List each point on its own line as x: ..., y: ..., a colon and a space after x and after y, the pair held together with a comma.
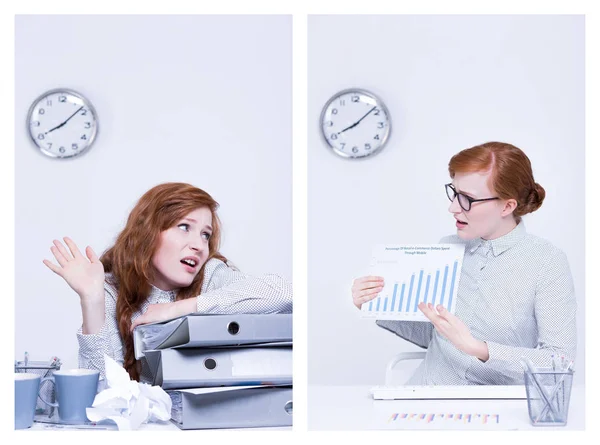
x: 45, y: 379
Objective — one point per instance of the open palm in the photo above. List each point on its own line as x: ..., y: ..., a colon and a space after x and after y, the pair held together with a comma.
x: 84, y: 275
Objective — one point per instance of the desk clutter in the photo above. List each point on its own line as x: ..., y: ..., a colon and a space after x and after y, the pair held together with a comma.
x: 221, y: 371
x: 43, y: 369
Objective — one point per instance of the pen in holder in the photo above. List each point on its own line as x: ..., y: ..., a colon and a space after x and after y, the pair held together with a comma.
x: 548, y: 394
x: 43, y: 369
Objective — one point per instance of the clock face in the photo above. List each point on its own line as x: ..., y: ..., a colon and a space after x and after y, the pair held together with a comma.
x: 355, y: 123
x: 62, y: 123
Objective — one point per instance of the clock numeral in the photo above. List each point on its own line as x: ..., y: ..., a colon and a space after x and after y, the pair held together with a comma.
x: 367, y: 146
x: 376, y: 137
x: 376, y: 112
x: 84, y: 137
x: 343, y: 144
x: 83, y: 112
x: 342, y: 102
x: 329, y: 123
x: 49, y: 144
x: 74, y: 146
x: 88, y: 125
x: 355, y: 98
x: 334, y: 136
x: 355, y: 149
x: 36, y: 123
x: 334, y: 111
x: 379, y: 124
x: 62, y: 98
x: 49, y: 102
x: 61, y: 149
x: 41, y: 111
x: 41, y: 136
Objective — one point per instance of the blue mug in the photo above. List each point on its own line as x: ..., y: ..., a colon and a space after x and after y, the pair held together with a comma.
x: 27, y: 387
x: 75, y: 391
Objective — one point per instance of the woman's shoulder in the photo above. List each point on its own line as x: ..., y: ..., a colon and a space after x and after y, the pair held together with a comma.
x: 452, y: 239
x: 542, y: 247
x: 215, y: 266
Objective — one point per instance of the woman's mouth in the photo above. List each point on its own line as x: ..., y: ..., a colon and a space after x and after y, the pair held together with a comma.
x: 189, y: 264
x: 461, y: 224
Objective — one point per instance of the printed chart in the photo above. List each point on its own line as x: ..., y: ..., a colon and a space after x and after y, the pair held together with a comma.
x: 446, y: 421
x: 414, y: 274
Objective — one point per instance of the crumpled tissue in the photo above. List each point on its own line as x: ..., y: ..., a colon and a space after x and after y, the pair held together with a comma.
x: 126, y: 402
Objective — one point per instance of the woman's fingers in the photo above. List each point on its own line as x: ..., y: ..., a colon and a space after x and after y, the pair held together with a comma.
x: 72, y: 247
x: 138, y: 321
x: 91, y: 254
x: 59, y: 256
x: 368, y: 281
x: 63, y: 251
x: 369, y: 294
x: 365, y: 297
x: 53, y: 267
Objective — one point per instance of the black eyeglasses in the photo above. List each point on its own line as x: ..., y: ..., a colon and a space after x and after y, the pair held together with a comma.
x: 463, y: 200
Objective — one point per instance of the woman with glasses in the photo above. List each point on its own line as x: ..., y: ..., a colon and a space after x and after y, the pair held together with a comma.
x: 515, y: 297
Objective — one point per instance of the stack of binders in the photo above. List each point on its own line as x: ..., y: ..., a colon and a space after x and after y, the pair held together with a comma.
x: 221, y: 371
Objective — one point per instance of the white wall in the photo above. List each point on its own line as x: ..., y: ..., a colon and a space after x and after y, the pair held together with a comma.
x: 198, y: 99
x: 449, y: 82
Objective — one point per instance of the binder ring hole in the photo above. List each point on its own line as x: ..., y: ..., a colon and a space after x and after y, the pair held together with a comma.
x: 233, y: 328
x: 289, y: 407
x: 210, y: 364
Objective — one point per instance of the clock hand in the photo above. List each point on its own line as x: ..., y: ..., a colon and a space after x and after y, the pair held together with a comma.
x: 68, y: 119
x: 358, y: 121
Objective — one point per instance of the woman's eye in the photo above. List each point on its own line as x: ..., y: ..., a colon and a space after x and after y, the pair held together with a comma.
x: 206, y: 235
x: 184, y: 227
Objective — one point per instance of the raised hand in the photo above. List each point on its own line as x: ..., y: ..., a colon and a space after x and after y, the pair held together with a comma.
x: 365, y: 289
x: 84, y: 275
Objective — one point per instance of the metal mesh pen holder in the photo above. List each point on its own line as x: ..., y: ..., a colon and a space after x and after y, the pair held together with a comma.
x: 548, y: 394
x: 43, y: 369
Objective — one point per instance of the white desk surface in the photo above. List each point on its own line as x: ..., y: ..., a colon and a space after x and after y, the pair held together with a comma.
x: 155, y: 426
x: 353, y: 408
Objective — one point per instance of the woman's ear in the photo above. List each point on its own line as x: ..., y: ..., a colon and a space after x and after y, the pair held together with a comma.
x: 509, y: 206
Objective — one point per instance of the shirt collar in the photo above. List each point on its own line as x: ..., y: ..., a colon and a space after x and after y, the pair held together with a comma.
x: 155, y: 291
x: 502, y: 243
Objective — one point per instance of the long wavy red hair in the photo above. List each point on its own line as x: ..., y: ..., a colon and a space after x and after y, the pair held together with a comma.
x: 129, y: 260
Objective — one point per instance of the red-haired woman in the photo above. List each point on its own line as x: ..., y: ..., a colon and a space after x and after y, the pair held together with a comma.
x: 515, y: 297
x: 164, y: 264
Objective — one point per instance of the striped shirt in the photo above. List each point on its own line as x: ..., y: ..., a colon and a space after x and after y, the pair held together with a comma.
x: 224, y: 291
x: 516, y: 294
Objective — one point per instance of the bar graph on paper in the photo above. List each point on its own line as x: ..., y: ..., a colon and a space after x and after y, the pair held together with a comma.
x: 445, y: 421
x: 414, y: 274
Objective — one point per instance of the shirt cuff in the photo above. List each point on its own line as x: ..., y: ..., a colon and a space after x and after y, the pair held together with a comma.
x: 91, y: 345
x: 497, y: 354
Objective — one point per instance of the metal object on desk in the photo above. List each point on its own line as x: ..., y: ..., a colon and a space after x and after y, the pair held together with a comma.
x: 43, y: 369
x: 548, y: 394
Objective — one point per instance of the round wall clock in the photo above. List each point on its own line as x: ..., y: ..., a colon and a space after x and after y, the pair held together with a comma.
x: 355, y: 123
x: 62, y: 123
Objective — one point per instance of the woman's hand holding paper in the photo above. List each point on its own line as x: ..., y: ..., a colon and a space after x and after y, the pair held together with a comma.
x: 455, y: 331
x: 364, y: 289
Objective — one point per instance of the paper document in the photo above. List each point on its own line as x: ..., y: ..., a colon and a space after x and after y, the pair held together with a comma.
x: 440, y: 421
x: 414, y: 274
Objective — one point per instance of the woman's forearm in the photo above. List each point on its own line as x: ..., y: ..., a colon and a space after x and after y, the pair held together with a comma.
x: 93, y: 314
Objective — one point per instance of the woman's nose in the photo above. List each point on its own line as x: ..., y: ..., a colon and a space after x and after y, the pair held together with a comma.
x: 455, y: 206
